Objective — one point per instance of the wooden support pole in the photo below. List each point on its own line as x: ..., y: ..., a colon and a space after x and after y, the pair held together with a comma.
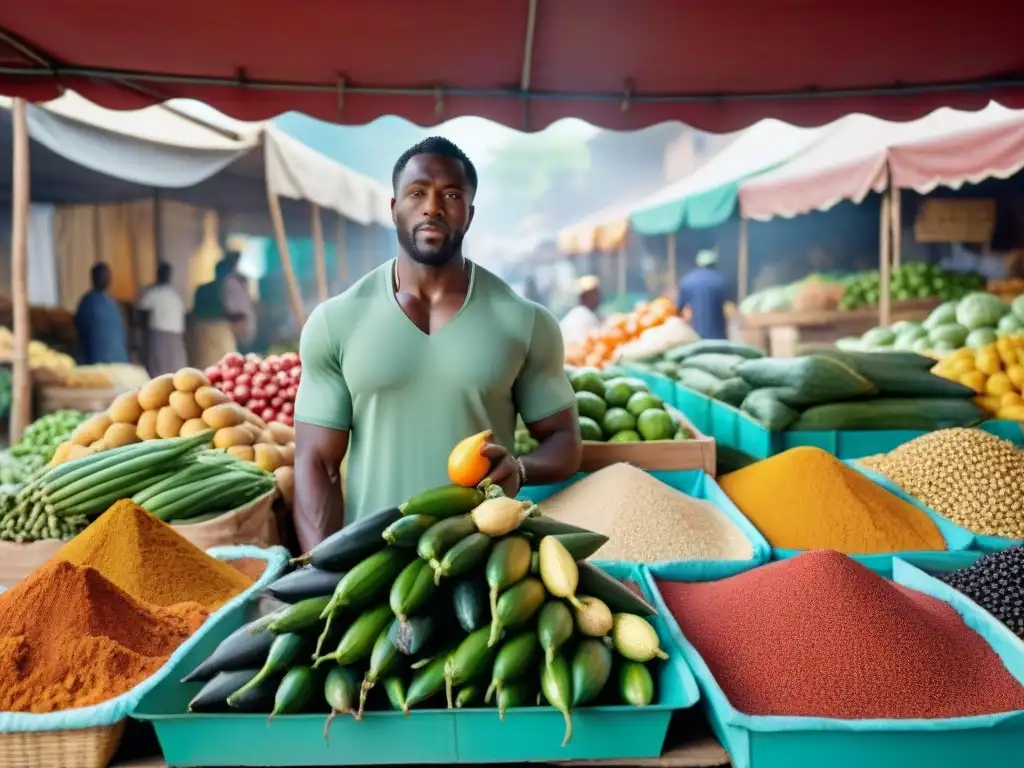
x: 21, y: 396
x: 294, y: 294
x: 885, y: 264
x: 623, y: 277
x: 670, y: 255
x: 341, y: 251
x: 743, y: 261
x: 896, y: 216
x: 322, y: 290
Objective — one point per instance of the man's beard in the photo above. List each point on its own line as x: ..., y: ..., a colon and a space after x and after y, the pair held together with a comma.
x: 450, y: 248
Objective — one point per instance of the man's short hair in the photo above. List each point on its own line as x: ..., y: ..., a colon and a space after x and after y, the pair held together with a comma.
x: 435, y: 145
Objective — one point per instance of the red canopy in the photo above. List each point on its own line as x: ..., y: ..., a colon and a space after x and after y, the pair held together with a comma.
x: 714, y: 65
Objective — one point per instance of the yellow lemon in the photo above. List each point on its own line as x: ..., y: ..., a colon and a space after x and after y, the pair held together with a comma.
x: 975, y: 380
x: 989, y: 402
x: 988, y: 360
x: 998, y: 384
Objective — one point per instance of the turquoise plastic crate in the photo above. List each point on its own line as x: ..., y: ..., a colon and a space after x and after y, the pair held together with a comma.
x: 978, y: 541
x: 758, y: 741
x: 957, y: 539
x: 534, y: 734
x: 692, y: 482
x: 425, y: 736
x: 737, y: 430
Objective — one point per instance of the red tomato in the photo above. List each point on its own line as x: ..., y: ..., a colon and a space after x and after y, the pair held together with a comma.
x: 250, y: 367
x: 276, y: 402
x: 243, y: 378
x: 256, y: 404
x: 232, y: 360
x: 288, y: 408
x: 289, y: 360
x: 260, y: 379
x: 259, y: 392
x: 282, y: 378
x: 268, y: 414
x: 229, y: 374
x: 287, y: 420
x: 252, y: 357
x: 267, y: 366
x: 290, y: 392
x: 240, y: 393
x: 213, y: 374
x: 271, y: 389
x: 296, y: 372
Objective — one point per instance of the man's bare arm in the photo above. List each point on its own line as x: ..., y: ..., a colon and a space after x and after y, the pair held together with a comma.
x: 319, y: 508
x: 560, y: 451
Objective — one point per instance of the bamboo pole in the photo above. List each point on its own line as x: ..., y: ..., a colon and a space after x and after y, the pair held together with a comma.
x: 743, y: 261
x: 896, y: 217
x: 322, y: 291
x: 21, y: 395
x: 885, y: 264
x: 670, y: 254
x: 294, y: 294
x: 341, y: 251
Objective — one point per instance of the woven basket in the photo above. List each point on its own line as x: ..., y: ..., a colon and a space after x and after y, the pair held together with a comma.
x: 84, y: 748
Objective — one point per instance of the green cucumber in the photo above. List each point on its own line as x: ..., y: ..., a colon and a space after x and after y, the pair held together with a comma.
x: 446, y: 501
x: 556, y: 685
x: 427, y: 682
x: 554, y: 628
x: 294, y: 692
x: 412, y: 635
x: 357, y: 643
x: 384, y: 658
x: 636, y: 686
x: 516, y: 658
x: 301, y: 617
x: 303, y: 584
x: 469, y: 660
x: 508, y: 564
x: 413, y: 587
x: 352, y: 544
x: 443, y: 536
x: 341, y: 691
x: 464, y: 556
x: 469, y: 599
x: 394, y: 687
x: 591, y: 668
x: 541, y: 526
x: 285, y: 652
x: 581, y: 545
x: 364, y: 584
x: 468, y: 695
x: 518, y: 693
x: 406, y: 531
x: 517, y: 606
x: 612, y: 592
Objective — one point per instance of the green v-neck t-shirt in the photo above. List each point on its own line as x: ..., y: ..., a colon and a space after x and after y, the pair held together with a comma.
x: 407, y: 397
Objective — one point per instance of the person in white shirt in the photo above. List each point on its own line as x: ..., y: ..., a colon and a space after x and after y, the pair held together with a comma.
x: 162, y: 319
x: 582, y: 319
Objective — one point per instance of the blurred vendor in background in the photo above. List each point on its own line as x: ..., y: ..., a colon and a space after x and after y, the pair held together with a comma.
x: 582, y: 319
x: 162, y: 320
x: 703, y: 294
x: 100, y: 324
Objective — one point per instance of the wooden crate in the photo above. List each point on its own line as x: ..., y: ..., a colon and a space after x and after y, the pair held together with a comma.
x: 698, y: 453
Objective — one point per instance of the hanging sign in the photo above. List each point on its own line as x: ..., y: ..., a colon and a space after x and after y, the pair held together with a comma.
x: 955, y: 221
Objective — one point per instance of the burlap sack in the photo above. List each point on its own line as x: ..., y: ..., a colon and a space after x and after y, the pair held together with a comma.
x: 253, y: 524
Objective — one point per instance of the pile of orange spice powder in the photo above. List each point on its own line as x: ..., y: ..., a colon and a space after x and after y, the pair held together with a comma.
x: 106, y: 612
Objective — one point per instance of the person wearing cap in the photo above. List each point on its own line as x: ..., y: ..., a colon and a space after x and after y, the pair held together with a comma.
x: 704, y: 292
x: 582, y: 319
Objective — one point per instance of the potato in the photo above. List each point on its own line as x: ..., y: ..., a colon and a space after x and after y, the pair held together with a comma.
x: 243, y: 452
x: 88, y: 432
x: 79, y: 452
x: 253, y: 419
x: 98, y: 447
x: 146, y: 428
x: 226, y: 437
x: 287, y: 453
x: 185, y: 405
x: 190, y: 379
x: 193, y: 427
x: 62, y: 453
x: 207, y: 397
x: 283, y: 434
x: 225, y: 415
x: 168, y: 423
x: 125, y: 409
x: 257, y: 433
x: 285, y: 477
x: 157, y: 393
x: 268, y: 458
x: 266, y: 436
x: 119, y: 434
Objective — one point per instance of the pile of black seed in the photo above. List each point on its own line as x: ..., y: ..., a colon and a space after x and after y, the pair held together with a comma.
x: 996, y: 583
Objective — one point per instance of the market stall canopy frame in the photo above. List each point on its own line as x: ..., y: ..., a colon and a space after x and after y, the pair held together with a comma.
x: 716, y: 66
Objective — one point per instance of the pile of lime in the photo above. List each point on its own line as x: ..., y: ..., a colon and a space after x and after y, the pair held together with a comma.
x: 615, y: 408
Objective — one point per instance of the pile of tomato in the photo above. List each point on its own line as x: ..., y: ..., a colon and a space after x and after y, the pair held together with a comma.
x: 267, y: 386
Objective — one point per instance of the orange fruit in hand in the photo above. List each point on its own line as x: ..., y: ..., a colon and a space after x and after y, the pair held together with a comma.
x: 466, y: 466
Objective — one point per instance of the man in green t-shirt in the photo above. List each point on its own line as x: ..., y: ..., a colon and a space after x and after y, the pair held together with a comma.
x: 422, y: 352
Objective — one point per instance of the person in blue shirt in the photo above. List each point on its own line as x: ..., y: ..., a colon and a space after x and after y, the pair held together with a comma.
x: 703, y: 294
x: 99, y: 322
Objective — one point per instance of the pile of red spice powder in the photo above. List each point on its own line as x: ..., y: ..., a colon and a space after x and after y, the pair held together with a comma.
x: 820, y: 635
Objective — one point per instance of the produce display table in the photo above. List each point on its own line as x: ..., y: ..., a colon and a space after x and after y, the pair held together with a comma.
x: 783, y: 334
x: 696, y: 453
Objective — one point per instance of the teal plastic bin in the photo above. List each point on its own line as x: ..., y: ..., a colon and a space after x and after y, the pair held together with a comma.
x: 425, y: 736
x: 692, y: 482
x: 534, y: 734
x: 756, y: 741
x: 733, y: 428
x: 978, y: 541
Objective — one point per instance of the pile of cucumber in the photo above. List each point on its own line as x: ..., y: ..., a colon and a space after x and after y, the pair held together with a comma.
x: 177, y: 480
x: 417, y: 606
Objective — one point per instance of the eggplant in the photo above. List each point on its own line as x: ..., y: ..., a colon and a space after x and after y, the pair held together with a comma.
x: 304, y: 584
x: 352, y: 544
x: 246, y: 647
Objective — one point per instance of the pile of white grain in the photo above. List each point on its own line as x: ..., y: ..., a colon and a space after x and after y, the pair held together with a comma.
x: 646, y: 520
